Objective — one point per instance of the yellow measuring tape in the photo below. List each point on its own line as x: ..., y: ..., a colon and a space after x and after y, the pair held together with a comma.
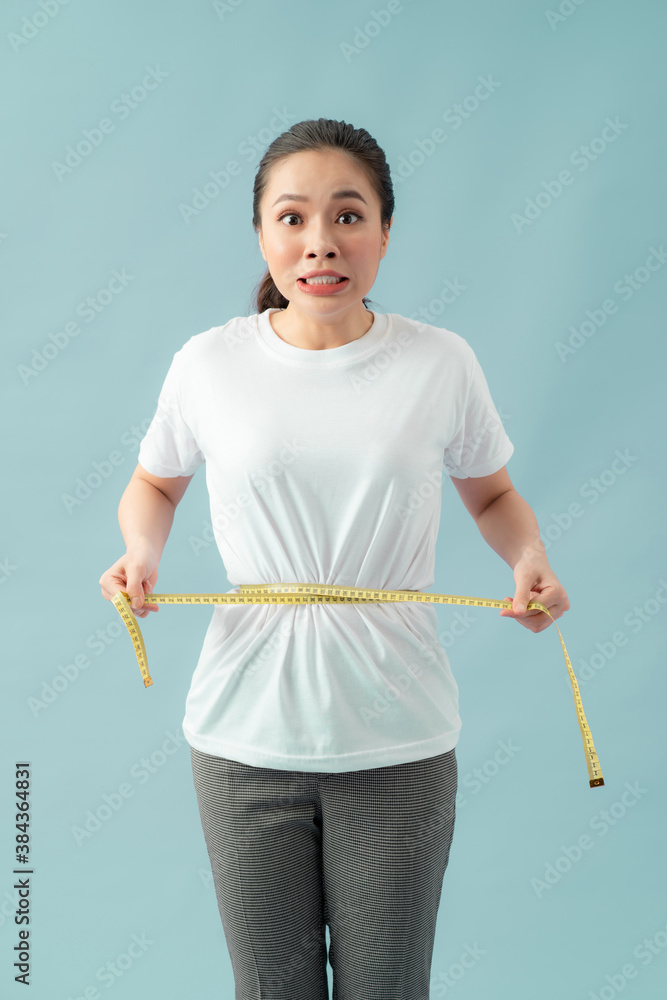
x: 310, y: 593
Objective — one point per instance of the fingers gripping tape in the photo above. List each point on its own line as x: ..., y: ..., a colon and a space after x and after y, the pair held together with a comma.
x: 309, y: 593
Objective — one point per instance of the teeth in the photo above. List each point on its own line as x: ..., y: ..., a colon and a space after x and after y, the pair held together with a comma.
x: 323, y: 280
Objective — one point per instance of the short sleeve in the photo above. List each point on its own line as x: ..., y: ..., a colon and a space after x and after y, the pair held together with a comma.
x: 169, y: 447
x: 480, y: 446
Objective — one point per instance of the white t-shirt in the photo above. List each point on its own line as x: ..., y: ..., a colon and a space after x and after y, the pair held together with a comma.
x: 325, y: 467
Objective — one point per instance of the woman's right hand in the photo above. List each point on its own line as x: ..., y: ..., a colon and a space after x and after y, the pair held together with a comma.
x: 136, y: 574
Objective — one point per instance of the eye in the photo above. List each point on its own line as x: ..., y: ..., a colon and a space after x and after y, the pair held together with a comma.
x: 350, y: 213
x: 289, y: 215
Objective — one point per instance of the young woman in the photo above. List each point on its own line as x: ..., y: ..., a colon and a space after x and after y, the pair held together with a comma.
x: 323, y: 736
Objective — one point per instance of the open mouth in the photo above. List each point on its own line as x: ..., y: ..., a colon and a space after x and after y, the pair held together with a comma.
x: 328, y: 280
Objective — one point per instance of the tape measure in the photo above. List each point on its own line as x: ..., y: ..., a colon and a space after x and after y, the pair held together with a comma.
x: 310, y: 593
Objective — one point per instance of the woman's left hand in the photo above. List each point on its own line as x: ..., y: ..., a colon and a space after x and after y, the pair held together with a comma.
x: 536, y: 581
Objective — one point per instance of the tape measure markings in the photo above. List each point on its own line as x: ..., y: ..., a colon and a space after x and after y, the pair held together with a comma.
x: 300, y: 593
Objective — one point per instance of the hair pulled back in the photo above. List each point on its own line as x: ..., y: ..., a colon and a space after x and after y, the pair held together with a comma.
x: 316, y: 134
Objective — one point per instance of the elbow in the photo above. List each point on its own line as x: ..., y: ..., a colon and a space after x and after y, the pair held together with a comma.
x: 492, y: 500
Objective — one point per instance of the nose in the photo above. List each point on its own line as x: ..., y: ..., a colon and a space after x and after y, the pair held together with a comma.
x: 321, y: 242
x: 327, y: 253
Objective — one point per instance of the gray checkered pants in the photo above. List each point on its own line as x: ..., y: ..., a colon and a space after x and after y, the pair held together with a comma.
x: 362, y: 851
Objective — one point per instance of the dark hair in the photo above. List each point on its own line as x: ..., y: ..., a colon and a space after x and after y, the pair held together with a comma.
x: 321, y: 133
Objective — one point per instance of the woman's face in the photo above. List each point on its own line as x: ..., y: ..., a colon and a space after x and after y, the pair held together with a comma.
x: 318, y: 231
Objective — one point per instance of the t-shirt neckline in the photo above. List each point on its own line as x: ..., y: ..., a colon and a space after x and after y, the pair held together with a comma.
x: 344, y: 354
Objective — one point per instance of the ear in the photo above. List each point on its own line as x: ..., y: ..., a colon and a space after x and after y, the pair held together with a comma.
x: 385, y: 239
x: 261, y: 244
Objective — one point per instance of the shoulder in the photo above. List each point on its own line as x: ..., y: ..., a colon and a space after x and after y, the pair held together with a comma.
x: 202, y: 347
x: 436, y: 341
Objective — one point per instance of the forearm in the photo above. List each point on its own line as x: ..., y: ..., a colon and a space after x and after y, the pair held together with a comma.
x: 510, y: 527
x: 145, y: 516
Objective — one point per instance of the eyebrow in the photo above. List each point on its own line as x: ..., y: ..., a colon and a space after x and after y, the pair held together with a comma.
x: 347, y: 193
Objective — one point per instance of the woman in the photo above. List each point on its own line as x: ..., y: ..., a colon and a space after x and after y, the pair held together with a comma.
x: 323, y: 736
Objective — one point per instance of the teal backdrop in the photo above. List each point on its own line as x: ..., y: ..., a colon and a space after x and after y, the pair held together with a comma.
x: 527, y: 145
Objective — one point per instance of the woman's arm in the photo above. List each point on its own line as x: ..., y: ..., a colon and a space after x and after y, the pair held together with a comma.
x: 146, y: 508
x: 509, y: 526
x: 145, y: 515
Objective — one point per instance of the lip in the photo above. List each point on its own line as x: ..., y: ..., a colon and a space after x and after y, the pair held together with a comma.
x: 322, y: 289
x: 323, y: 274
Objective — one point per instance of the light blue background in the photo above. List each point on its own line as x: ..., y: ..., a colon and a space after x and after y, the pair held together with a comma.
x: 228, y: 69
